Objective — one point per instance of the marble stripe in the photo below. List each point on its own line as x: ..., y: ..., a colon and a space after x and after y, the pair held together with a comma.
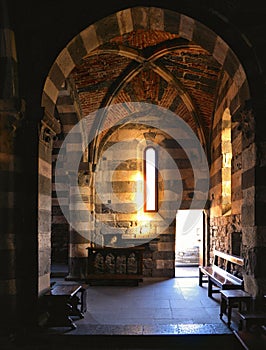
x: 140, y: 17
x: 186, y: 27
x: 125, y: 22
x: 65, y: 62
x: 220, y: 50
x: 51, y: 90
x: 249, y: 157
x: 166, y: 246
x: 45, y: 168
x: 156, y: 19
x: 90, y: 38
x: 240, y: 76
x: 45, y: 185
x: 44, y: 221
x: 45, y: 202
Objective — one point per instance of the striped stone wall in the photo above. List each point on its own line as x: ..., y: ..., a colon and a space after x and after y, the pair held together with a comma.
x: 60, y: 225
x: 253, y: 242
x: 120, y: 220
x: 255, y: 249
x: 46, y: 138
x: 67, y: 115
x: 69, y: 244
x: 233, y: 94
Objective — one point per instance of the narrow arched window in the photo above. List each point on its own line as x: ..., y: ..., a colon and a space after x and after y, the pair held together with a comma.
x: 226, y: 162
x: 150, y: 180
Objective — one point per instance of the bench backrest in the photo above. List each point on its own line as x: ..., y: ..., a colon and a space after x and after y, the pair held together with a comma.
x: 231, y: 264
x: 227, y: 275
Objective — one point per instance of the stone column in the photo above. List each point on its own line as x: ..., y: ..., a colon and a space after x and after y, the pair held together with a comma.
x: 47, y: 134
x: 10, y: 207
x: 81, y: 213
x: 11, y: 112
x: 253, y: 208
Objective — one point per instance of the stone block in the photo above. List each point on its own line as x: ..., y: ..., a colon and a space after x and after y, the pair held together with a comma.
x: 249, y: 157
x: 171, y: 21
x: 140, y: 18
x: 186, y: 27
x: 249, y: 236
x: 77, y: 49
x: 166, y: 246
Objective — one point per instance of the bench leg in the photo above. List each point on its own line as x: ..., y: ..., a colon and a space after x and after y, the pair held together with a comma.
x: 222, y: 307
x: 229, y: 313
x: 83, y: 300
x: 75, y: 311
x: 200, y: 277
x: 209, y: 287
x: 59, y: 314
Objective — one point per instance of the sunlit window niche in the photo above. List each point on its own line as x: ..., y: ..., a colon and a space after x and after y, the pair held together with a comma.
x: 226, y: 162
x: 146, y: 190
x: 150, y: 180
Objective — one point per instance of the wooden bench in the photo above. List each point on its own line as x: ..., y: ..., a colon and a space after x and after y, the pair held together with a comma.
x: 224, y: 273
x: 64, y: 301
x: 233, y: 298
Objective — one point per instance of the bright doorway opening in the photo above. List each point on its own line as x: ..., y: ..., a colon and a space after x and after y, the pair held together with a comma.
x: 189, y: 242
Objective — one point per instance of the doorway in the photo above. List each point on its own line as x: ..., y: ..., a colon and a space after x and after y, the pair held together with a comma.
x: 188, y: 242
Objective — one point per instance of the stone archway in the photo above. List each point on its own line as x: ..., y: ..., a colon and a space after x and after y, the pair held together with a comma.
x: 233, y: 89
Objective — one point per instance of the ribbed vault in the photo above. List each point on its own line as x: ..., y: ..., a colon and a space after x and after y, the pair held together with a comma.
x: 155, y: 67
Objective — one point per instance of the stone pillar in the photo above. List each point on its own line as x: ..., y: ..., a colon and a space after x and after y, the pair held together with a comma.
x: 81, y: 217
x: 10, y: 207
x: 253, y: 222
x: 47, y: 134
x: 11, y: 112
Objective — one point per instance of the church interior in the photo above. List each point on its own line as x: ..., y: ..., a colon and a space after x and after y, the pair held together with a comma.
x: 115, y: 120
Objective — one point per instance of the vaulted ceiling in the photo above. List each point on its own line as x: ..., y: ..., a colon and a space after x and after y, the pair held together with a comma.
x: 151, y: 66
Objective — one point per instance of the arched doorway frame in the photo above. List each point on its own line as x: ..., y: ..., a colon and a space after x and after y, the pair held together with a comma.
x: 123, y: 22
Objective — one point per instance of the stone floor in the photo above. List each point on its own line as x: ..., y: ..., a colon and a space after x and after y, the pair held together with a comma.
x: 159, y: 314
x: 157, y: 306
